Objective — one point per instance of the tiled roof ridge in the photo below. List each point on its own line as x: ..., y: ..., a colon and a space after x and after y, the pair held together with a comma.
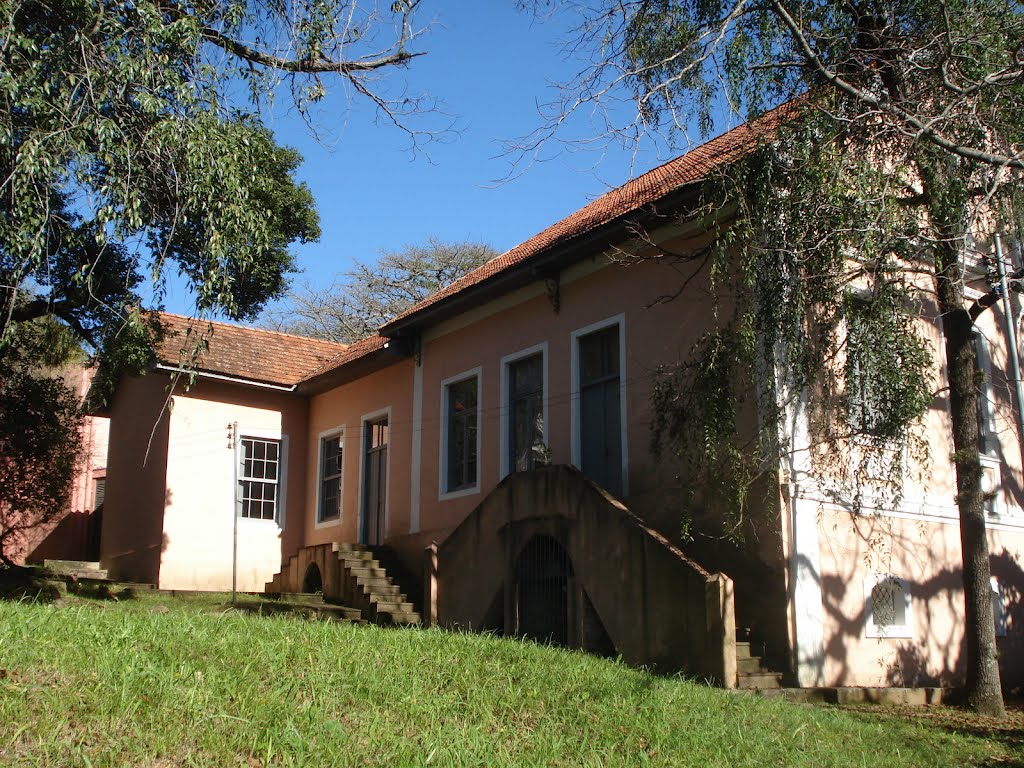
x: 253, y: 329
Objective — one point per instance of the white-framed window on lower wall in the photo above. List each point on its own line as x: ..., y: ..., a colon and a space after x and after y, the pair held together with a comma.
x: 259, y: 477
x: 887, y: 606
x: 998, y: 607
x: 330, y: 486
x: 460, y: 435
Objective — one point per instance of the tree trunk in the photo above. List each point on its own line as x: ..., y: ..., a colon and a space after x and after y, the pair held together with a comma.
x: 984, y: 694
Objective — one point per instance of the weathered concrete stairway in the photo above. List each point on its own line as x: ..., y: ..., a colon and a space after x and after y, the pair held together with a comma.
x: 752, y: 673
x: 348, y: 575
x: 79, y: 569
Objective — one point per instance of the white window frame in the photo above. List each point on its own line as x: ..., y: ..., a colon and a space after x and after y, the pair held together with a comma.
x: 998, y: 607
x: 904, y: 630
x: 984, y: 362
x: 505, y: 411
x: 366, y: 419
x: 575, y: 429
x: 318, y: 521
x: 258, y: 433
x: 443, y: 493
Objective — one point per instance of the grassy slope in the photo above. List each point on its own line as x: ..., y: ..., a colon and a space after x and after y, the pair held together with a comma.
x: 119, y: 684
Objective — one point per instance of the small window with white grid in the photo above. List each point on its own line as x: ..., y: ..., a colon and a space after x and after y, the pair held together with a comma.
x: 260, y: 462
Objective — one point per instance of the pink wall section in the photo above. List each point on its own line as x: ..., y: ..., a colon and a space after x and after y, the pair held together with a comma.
x: 70, y: 535
x: 386, y: 392
x: 588, y: 296
x: 169, y: 517
x: 927, y: 556
x: 136, y: 467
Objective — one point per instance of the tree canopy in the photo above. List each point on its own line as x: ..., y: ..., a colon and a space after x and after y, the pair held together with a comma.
x: 131, y: 144
x: 899, y: 161
x: 370, y: 294
x: 132, y: 151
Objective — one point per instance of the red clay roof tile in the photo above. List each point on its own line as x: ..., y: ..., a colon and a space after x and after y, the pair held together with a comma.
x: 247, y: 353
x: 279, y: 358
x: 648, y: 188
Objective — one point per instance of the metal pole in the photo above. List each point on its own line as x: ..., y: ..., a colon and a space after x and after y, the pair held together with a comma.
x: 1011, y: 332
x: 234, y: 514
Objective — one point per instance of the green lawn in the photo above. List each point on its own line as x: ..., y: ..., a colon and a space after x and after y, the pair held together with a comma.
x: 158, y: 681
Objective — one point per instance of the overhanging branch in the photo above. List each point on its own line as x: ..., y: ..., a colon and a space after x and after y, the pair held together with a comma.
x: 307, y: 66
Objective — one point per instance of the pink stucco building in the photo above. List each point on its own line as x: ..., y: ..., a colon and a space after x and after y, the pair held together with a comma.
x: 74, y: 534
x: 430, y: 441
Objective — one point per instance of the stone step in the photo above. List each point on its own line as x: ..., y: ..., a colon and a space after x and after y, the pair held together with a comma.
x: 61, y: 566
x: 759, y: 680
x: 338, y: 611
x: 403, y: 618
x: 751, y: 665
x: 87, y: 576
x: 392, y: 606
x: 298, y: 598
x: 376, y: 583
x: 351, y: 547
x: 367, y: 571
x: 296, y: 606
x: 394, y: 597
x: 359, y: 562
x: 748, y: 650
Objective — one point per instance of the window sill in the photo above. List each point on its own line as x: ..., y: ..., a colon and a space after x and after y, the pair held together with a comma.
x: 460, y: 493
x: 256, y: 523
x: 329, y: 523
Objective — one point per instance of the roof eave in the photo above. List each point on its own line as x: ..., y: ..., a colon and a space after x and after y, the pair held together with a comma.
x: 349, y: 371
x: 540, y: 265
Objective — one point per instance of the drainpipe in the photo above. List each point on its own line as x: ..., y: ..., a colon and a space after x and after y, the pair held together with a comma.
x: 234, y: 513
x: 1011, y: 332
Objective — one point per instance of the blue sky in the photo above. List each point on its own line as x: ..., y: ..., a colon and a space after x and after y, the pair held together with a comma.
x: 491, y: 66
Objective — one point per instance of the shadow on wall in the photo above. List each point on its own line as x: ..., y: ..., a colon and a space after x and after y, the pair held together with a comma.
x: 75, y: 537
x: 549, y: 556
x: 930, y: 650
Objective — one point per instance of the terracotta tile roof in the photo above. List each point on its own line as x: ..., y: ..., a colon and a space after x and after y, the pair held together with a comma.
x: 644, y: 190
x: 241, y: 352
x: 286, y: 359
x: 352, y: 352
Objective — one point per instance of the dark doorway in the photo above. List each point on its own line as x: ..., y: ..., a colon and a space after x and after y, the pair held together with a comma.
x: 375, y: 480
x: 313, y: 582
x: 544, y: 580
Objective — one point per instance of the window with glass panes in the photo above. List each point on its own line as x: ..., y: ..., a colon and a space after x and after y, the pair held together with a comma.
x: 331, y: 450
x: 526, y: 413
x: 258, y: 477
x: 601, y: 408
x: 462, y: 426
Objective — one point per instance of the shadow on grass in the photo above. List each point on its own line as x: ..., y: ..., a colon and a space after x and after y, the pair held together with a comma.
x: 1008, y: 733
x: 29, y: 583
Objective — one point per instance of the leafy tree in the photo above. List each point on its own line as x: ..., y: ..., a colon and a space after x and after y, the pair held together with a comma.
x: 131, y: 149
x: 130, y: 145
x: 901, y: 148
x: 40, y: 437
x: 369, y: 295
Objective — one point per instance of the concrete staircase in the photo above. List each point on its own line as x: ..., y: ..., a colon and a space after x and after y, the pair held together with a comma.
x: 752, y: 673
x: 79, y: 569
x: 367, y: 586
x: 311, y: 605
x: 350, y: 576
